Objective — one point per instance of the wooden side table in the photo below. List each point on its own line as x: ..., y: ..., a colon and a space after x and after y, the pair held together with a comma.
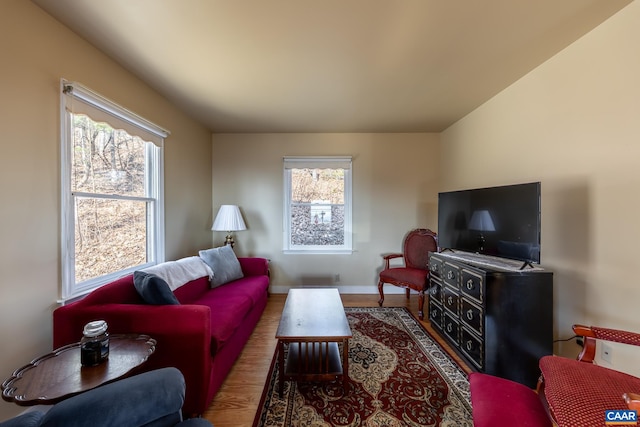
x: 59, y: 375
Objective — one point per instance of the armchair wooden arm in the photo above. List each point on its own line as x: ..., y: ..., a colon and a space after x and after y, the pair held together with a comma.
x: 632, y: 400
x: 593, y: 333
x: 389, y: 257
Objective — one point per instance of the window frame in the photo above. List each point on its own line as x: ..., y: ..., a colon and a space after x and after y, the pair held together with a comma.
x: 76, y: 98
x: 323, y: 162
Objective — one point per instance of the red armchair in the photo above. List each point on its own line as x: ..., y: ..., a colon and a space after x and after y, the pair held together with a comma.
x: 577, y: 392
x: 415, y: 272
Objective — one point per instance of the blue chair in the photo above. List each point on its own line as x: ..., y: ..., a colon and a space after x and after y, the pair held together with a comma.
x: 151, y: 399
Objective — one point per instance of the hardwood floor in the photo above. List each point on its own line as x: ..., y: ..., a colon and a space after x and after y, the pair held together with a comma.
x: 237, y: 400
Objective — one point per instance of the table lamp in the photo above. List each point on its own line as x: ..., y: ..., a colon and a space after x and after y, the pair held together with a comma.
x: 481, y: 221
x: 229, y: 219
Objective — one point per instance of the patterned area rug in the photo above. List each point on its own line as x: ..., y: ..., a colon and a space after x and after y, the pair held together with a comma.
x: 398, y: 376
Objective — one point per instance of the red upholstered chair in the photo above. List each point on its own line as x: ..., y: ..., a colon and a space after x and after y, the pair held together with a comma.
x: 414, y: 274
x: 498, y: 402
x: 577, y: 392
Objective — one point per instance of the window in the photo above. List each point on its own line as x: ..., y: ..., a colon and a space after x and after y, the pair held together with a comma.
x: 112, y: 191
x: 317, y: 204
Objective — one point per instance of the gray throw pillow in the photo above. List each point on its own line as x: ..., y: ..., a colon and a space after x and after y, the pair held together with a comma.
x: 153, y: 289
x: 224, y: 263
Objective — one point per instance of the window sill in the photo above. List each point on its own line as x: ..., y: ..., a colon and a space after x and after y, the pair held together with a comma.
x: 317, y: 251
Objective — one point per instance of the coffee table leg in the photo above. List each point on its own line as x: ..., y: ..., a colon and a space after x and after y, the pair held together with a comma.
x: 345, y: 365
x: 281, y: 365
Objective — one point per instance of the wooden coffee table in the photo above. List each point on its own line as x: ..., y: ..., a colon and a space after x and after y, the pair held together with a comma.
x: 312, y: 325
x: 59, y: 375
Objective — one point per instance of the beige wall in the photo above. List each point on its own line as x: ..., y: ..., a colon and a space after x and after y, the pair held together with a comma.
x: 395, y: 184
x: 574, y: 124
x: 36, y: 52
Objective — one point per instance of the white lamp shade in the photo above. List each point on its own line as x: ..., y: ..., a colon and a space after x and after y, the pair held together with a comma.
x: 229, y: 218
x: 481, y: 221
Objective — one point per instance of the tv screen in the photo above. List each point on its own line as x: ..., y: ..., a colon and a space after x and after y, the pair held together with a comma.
x: 500, y: 221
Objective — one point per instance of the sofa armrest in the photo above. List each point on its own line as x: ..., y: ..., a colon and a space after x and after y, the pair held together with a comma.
x: 254, y: 266
x: 153, y: 320
x: 28, y: 419
x: 152, y: 398
x: 593, y: 333
x: 182, y: 332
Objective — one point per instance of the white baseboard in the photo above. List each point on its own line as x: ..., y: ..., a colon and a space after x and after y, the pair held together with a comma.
x: 364, y: 289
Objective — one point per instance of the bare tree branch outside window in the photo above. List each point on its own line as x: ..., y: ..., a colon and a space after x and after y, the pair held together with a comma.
x: 110, y: 233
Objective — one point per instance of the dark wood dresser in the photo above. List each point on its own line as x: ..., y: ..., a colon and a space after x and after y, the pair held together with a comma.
x: 497, y: 316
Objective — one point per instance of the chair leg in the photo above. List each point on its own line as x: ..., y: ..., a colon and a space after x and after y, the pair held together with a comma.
x: 421, y: 305
x: 381, y: 300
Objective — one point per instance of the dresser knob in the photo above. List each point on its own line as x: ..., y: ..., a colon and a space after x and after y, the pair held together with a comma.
x: 450, y: 300
x: 470, y: 314
x: 469, y: 345
x: 470, y: 284
x: 449, y: 327
x: 450, y: 274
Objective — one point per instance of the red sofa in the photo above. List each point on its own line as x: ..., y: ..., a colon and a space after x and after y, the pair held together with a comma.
x: 202, y: 337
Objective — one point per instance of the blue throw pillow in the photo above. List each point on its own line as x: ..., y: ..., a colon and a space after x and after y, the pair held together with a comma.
x: 153, y: 289
x: 224, y: 263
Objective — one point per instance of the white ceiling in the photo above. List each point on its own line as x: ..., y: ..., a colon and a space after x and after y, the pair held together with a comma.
x: 330, y: 65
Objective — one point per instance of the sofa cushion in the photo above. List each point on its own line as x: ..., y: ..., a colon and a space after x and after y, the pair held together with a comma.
x: 223, y: 263
x: 193, y: 291
x: 252, y: 287
x: 153, y: 289
x: 230, y: 303
x: 227, y: 313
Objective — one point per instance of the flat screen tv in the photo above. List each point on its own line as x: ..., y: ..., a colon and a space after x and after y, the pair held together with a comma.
x: 500, y: 221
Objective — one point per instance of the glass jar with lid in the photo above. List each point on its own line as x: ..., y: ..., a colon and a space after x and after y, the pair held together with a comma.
x: 94, y: 346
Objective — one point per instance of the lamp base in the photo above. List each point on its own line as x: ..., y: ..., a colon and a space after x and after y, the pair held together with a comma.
x: 229, y: 240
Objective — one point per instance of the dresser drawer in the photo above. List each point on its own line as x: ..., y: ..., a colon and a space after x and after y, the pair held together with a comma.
x: 472, y: 346
x: 472, y: 316
x: 450, y: 299
x: 451, y: 328
x: 472, y: 284
x: 435, y: 290
x: 435, y: 314
x: 451, y: 274
x: 435, y: 266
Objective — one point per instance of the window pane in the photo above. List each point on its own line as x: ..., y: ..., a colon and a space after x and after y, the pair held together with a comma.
x: 308, y: 228
x: 106, y: 160
x: 317, y: 207
x: 309, y: 185
x: 110, y: 235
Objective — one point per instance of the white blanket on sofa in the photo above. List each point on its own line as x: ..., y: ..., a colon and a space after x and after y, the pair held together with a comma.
x: 180, y: 272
